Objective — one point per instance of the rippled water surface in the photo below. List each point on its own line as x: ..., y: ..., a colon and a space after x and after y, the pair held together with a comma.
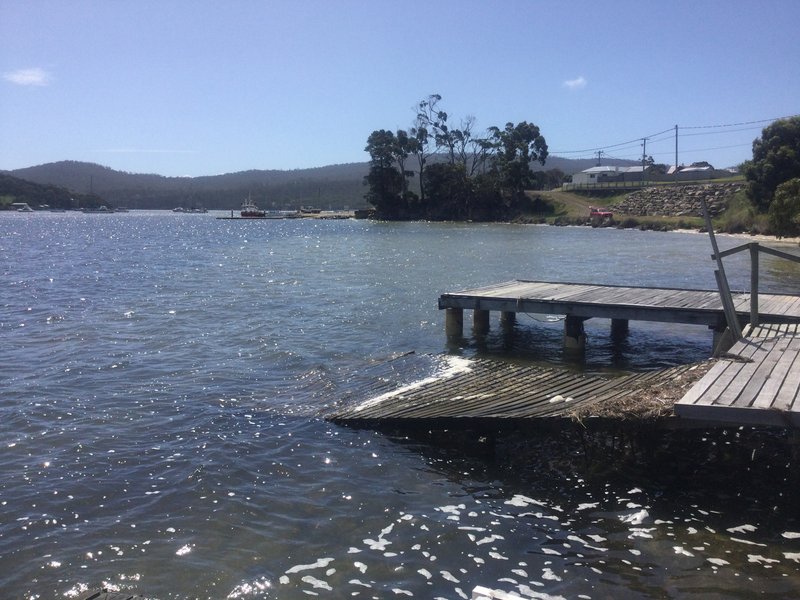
x: 162, y: 377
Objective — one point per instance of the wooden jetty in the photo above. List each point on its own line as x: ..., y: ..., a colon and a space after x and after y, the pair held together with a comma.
x: 756, y: 383
x: 579, y: 302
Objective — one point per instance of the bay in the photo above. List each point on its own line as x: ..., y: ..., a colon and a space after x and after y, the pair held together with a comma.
x: 162, y: 378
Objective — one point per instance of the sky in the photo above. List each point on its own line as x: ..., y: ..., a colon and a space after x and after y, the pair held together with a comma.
x: 199, y: 87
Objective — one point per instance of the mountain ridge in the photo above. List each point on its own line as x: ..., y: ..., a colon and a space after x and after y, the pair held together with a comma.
x: 331, y: 186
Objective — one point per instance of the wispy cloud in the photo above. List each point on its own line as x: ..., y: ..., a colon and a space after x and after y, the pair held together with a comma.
x: 576, y: 84
x: 34, y: 76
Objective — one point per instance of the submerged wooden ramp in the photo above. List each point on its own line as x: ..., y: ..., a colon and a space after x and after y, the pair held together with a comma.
x: 756, y: 383
x: 489, y: 393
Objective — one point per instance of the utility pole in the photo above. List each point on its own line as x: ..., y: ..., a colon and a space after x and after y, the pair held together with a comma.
x: 676, y: 147
x: 644, y: 156
x: 599, y: 154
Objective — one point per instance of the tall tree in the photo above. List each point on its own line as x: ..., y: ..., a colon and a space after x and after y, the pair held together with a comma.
x: 449, y: 192
x: 784, y: 211
x: 427, y: 118
x: 384, y: 180
x: 776, y: 159
x: 403, y: 145
x: 517, y: 145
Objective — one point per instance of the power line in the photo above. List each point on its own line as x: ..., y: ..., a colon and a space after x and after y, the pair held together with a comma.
x: 637, y: 141
x: 739, y: 124
x: 718, y: 132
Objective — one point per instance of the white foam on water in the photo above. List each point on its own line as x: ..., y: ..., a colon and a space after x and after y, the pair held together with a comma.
x: 741, y: 529
x: 317, y: 584
x: 636, y: 518
x: 489, y: 539
x: 597, y: 538
x: 741, y: 541
x: 448, y: 576
x: 320, y: 564
x: 575, y: 538
x: 401, y: 592
x: 379, y: 544
x: 791, y: 535
x: 758, y: 559
x: 549, y: 575
x: 682, y: 550
x: 523, y: 501
x: 454, y: 365
x: 795, y: 556
x: 641, y: 532
x: 454, y: 509
x: 718, y: 562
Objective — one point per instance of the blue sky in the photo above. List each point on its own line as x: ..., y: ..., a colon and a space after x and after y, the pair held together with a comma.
x: 194, y: 87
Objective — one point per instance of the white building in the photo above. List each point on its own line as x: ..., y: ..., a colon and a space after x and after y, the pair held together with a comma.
x: 607, y: 174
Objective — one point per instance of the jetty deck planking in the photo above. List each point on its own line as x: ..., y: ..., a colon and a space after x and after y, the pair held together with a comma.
x: 619, y: 302
x: 756, y: 383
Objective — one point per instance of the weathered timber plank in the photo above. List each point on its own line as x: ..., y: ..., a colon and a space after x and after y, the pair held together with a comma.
x: 791, y: 307
x: 570, y: 294
x: 712, y: 385
x: 777, y: 385
x: 740, y: 372
x: 754, y: 380
x: 787, y: 398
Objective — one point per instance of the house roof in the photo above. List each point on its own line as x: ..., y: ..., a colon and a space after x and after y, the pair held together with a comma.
x: 606, y: 169
x: 610, y: 169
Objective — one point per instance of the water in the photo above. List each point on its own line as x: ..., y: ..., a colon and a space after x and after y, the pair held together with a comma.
x: 162, y: 377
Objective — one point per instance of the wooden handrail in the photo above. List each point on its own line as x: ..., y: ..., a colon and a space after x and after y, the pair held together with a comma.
x: 754, y: 248
x: 765, y: 250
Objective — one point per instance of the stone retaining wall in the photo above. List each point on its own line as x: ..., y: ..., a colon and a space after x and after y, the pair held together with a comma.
x: 679, y: 200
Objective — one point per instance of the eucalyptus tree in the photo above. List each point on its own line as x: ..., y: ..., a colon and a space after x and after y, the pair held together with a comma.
x: 776, y: 159
x: 423, y: 134
x: 516, y: 147
x: 386, y: 183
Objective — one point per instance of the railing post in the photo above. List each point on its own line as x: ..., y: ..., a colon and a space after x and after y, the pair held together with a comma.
x: 722, y: 281
x: 754, y: 319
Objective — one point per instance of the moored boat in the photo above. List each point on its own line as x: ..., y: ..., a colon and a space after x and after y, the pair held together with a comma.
x: 251, y: 211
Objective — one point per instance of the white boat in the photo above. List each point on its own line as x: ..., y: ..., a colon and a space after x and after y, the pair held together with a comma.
x: 251, y: 211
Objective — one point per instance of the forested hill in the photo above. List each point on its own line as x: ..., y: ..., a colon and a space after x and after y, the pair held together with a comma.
x: 334, y: 186
x: 36, y: 195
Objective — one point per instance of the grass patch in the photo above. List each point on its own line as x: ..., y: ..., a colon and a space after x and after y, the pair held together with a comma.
x: 742, y: 217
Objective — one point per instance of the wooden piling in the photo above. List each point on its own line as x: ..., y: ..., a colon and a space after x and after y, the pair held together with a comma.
x: 480, y: 321
x: 454, y: 322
